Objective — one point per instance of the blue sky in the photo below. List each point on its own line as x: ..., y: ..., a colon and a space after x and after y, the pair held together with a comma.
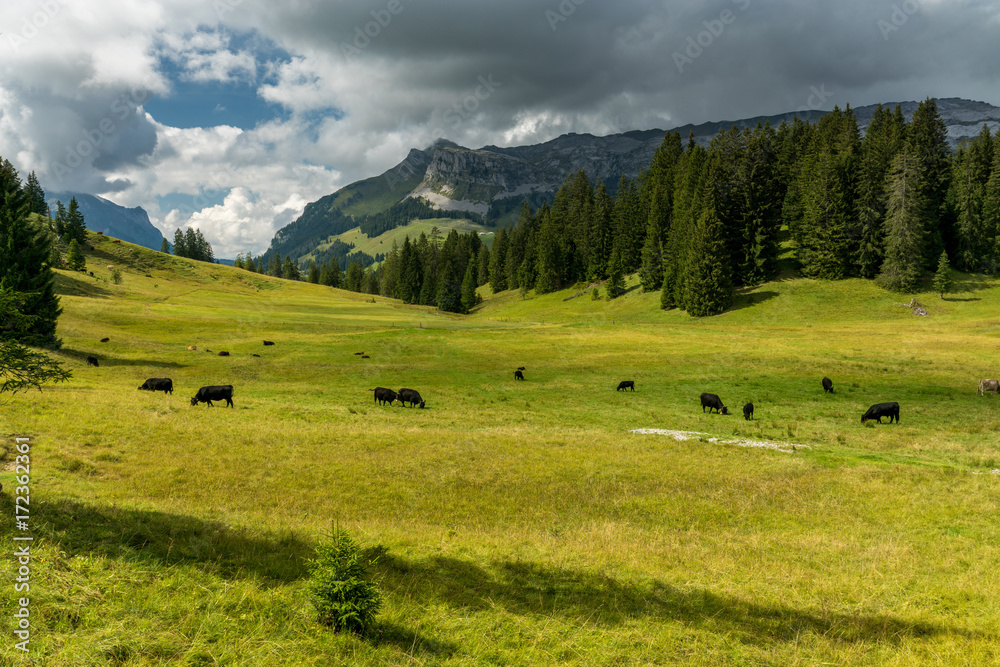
x: 232, y: 115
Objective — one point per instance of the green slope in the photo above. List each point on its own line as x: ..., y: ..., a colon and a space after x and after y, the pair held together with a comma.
x: 525, y: 523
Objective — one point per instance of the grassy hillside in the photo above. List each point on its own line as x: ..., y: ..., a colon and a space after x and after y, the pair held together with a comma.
x: 383, y: 242
x: 525, y: 522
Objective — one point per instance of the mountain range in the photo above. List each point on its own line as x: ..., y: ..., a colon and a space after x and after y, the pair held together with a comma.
x: 492, y: 183
x: 101, y: 215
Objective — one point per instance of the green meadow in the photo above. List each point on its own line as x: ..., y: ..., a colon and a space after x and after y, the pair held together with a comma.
x: 524, y: 523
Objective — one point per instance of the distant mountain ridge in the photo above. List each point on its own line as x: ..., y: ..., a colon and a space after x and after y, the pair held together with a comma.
x: 494, y: 182
x: 101, y: 215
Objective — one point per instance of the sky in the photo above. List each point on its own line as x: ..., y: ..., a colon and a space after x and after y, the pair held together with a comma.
x: 232, y: 115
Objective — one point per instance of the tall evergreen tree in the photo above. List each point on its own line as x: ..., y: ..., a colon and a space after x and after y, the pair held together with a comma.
x: 975, y: 232
x: 180, y: 245
x: 482, y: 266
x: 927, y: 141
x: 883, y: 140
x: 469, y: 283
x: 354, y: 276
x: 36, y: 196
x: 165, y: 246
x: 616, y: 274
x: 61, y: 221
x: 74, y: 257
x: 942, y: 279
x: 709, y: 287
x: 25, y: 252
x: 600, y: 235
x: 991, y: 204
x: 498, y: 262
x: 76, y: 227
x: 906, y: 224
x: 449, y: 295
x: 313, y: 275
x: 651, y: 270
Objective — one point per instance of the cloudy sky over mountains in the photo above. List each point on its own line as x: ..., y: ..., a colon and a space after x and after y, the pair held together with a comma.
x: 231, y: 115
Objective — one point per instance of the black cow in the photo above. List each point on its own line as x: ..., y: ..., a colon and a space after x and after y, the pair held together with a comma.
x: 626, y: 384
x: 713, y: 402
x: 383, y: 395
x: 105, y: 340
x: 255, y: 355
x: 748, y: 411
x: 223, y: 354
x: 165, y: 385
x: 518, y: 375
x: 214, y: 393
x: 828, y: 385
x: 268, y: 342
x: 410, y: 396
x: 879, y: 410
x: 92, y: 361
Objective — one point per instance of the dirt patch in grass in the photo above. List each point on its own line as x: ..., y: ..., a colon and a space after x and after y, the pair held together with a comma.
x: 787, y: 447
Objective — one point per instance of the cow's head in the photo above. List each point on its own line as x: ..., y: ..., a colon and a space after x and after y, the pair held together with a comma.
x: 194, y: 400
x: 421, y: 405
x: 724, y: 410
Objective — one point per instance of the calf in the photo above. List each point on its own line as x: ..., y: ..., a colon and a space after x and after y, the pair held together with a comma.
x: 828, y: 385
x: 748, y: 411
x: 384, y: 395
x: 105, y: 340
x: 223, y: 354
x: 365, y: 356
x: 92, y: 361
x: 879, y: 410
x: 268, y: 342
x: 214, y: 393
x: 410, y: 396
x: 988, y: 385
x: 625, y: 385
x: 165, y: 385
x: 713, y: 402
x: 518, y: 375
x: 255, y: 355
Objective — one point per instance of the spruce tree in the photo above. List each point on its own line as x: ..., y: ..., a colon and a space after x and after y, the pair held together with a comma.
x: 974, y: 230
x: 482, y: 265
x: 927, y: 142
x: 550, y: 260
x: 180, y: 245
x: 942, y: 279
x: 61, y: 221
x: 709, y: 287
x: 353, y: 279
x: 275, y: 267
x: 76, y: 227
x: 165, y: 246
x: 74, y: 257
x: 498, y: 262
x: 290, y: 270
x: 906, y: 224
x: 600, y: 235
x: 313, y: 272
x: 36, y: 196
x: 470, y: 299
x: 651, y: 269
x: 25, y: 253
x: 883, y: 139
x: 616, y: 274
x: 449, y: 295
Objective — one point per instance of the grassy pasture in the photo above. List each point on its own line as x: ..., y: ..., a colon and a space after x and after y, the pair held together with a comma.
x: 525, y: 523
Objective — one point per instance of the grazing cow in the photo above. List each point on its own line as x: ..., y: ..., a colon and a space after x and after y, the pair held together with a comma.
x: 988, y: 385
x: 116, y: 241
x: 268, y: 342
x: 105, y: 340
x: 111, y: 267
x: 828, y: 385
x: 92, y: 361
x: 410, y: 396
x: 748, y: 411
x: 100, y: 233
x: 255, y: 355
x: 626, y: 384
x: 383, y: 395
x: 165, y: 385
x: 208, y: 350
x: 879, y: 410
x: 214, y: 393
x: 192, y: 347
x: 518, y: 375
x: 713, y: 402
x: 358, y: 354
x: 365, y: 356
x: 223, y: 354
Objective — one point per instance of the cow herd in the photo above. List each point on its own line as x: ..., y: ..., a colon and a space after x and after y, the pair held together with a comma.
x: 876, y: 412
x: 404, y: 396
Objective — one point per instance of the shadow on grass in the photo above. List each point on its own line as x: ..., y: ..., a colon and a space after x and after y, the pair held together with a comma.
x: 528, y: 588
x: 105, y: 360
x: 409, y: 642
x: 84, y: 285
x: 751, y: 299
x: 168, y: 539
